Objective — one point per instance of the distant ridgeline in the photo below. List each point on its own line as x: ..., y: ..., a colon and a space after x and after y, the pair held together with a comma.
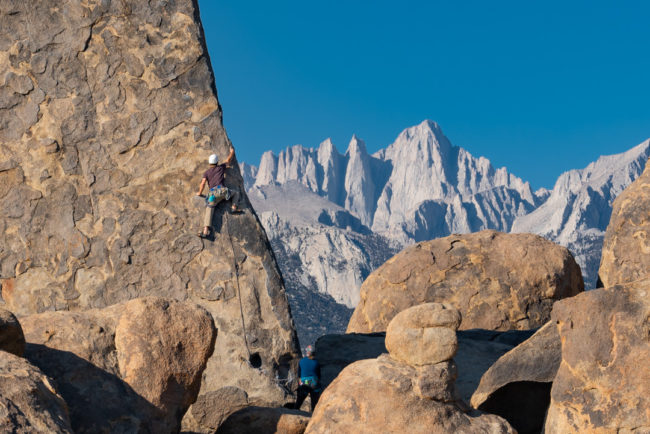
x: 340, y: 216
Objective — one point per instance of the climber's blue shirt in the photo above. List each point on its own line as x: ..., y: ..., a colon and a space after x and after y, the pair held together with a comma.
x: 308, y: 368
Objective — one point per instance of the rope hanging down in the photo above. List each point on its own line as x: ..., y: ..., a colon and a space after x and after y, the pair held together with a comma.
x: 241, y: 308
x: 283, y: 383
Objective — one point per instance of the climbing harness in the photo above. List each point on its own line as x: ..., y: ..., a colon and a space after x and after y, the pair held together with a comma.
x: 217, y: 194
x: 311, y: 382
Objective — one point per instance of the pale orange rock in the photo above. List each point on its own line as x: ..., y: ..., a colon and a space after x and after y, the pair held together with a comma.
x: 377, y: 395
x: 603, y: 382
x: 29, y: 401
x: 135, y: 365
x: 423, y: 334
x: 162, y: 349
x: 497, y: 281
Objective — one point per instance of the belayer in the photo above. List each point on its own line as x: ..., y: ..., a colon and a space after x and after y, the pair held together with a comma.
x: 309, y: 379
x: 214, y: 177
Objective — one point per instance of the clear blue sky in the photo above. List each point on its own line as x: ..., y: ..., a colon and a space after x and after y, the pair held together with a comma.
x: 538, y: 87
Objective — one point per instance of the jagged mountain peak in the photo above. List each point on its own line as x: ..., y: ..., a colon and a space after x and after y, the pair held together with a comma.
x: 427, y: 126
x: 578, y: 208
x: 603, y: 169
x: 424, y: 145
x: 426, y: 129
x: 386, y: 188
x: 327, y: 146
x: 356, y: 146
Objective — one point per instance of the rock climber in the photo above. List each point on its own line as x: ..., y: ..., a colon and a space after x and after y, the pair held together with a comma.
x: 214, y: 177
x: 309, y: 375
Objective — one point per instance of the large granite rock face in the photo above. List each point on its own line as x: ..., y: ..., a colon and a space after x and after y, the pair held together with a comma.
x: 29, y: 401
x: 517, y: 387
x: 108, y: 112
x: 12, y: 339
x: 415, y: 395
x: 626, y: 248
x: 603, y: 382
x: 498, y: 281
x: 130, y: 367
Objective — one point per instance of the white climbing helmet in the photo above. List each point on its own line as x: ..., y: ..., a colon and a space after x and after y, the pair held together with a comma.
x: 213, y: 159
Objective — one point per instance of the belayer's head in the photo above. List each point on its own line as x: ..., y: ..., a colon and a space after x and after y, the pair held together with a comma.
x: 309, y: 351
x: 213, y: 160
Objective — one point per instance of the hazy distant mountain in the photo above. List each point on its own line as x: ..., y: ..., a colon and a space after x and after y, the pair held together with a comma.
x: 339, y: 216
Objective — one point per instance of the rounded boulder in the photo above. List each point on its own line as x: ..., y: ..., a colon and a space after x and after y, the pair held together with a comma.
x: 424, y: 334
x: 497, y: 281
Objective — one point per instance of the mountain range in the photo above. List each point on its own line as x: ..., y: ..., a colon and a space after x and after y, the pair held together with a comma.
x: 333, y: 218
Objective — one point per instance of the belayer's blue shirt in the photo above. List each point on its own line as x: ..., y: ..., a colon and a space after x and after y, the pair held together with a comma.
x: 308, y: 368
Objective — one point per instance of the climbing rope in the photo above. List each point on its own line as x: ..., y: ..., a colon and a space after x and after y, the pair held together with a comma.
x: 282, y: 383
x: 241, y: 307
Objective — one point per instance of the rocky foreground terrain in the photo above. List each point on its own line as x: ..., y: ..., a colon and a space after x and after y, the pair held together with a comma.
x: 116, y: 317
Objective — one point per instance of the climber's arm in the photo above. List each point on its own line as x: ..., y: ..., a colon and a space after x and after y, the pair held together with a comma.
x: 229, y: 157
x: 203, y: 181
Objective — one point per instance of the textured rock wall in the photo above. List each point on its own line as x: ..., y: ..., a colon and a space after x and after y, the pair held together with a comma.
x: 108, y: 112
x: 603, y: 382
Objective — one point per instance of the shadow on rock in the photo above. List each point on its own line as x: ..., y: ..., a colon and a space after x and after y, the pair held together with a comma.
x: 523, y: 404
x: 98, y: 400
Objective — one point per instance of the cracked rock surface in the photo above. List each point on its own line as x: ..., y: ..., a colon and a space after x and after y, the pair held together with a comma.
x: 603, y: 382
x: 497, y: 281
x: 108, y: 112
